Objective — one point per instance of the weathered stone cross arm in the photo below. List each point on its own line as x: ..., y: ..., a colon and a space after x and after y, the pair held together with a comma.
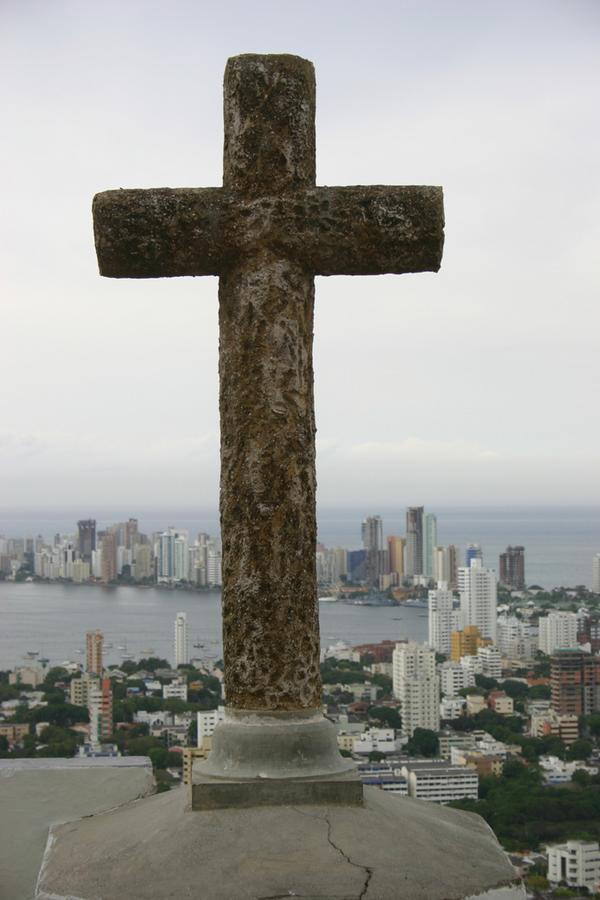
x: 166, y: 232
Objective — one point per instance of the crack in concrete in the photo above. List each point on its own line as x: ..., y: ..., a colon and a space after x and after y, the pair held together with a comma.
x: 368, y: 870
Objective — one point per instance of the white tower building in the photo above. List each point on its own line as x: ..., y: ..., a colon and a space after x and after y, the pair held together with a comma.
x: 442, y: 618
x: 478, y: 598
x: 181, y: 640
x: 558, y: 631
x: 596, y: 573
x: 416, y: 685
x: 429, y: 543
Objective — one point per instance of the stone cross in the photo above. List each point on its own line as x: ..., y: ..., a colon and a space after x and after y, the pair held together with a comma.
x: 266, y: 233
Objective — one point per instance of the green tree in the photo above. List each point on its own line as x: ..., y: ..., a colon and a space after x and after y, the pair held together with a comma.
x: 386, y: 715
x: 423, y: 743
x: 582, y: 778
x: 580, y: 749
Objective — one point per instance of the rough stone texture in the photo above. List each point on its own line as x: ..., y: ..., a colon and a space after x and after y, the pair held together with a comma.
x: 38, y: 793
x: 266, y: 233
x: 390, y: 849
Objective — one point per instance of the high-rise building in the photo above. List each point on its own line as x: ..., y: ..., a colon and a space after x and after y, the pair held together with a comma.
x: 109, y: 557
x: 80, y: 688
x: 416, y: 685
x: 143, y: 563
x: 443, y: 619
x: 575, y: 683
x: 512, y: 568
x: 454, y: 677
x: 514, y: 638
x: 131, y: 535
x: 86, y: 538
x: 181, y: 640
x: 93, y: 652
x: 100, y: 706
x: 172, y: 556
x: 445, y: 565
x: 473, y: 551
x: 429, y: 543
x: 214, y: 563
x: 478, y: 597
x: 396, y: 547
x: 414, y: 540
x: 372, y: 538
x: 557, y: 631
x: 596, y: 573
x: 466, y: 642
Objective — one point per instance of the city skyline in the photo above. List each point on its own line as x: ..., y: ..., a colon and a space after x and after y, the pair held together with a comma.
x: 452, y: 383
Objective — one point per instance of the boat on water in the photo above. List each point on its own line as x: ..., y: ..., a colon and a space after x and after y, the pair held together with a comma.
x: 328, y: 599
x: 31, y: 654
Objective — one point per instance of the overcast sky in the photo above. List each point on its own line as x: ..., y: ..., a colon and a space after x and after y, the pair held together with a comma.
x: 476, y: 385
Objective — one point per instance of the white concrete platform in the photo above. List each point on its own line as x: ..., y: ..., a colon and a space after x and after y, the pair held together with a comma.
x: 38, y: 793
x: 390, y: 849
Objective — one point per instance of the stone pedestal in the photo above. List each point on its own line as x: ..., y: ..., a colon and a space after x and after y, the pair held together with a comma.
x: 390, y: 848
x: 274, y: 758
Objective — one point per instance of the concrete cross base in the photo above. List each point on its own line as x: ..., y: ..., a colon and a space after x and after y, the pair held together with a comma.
x: 220, y: 793
x: 273, y: 745
x: 390, y: 848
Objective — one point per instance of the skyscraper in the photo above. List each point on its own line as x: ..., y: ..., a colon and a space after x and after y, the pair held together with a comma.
x: 414, y: 540
x: 87, y: 538
x: 372, y: 538
x: 429, y: 542
x: 93, y: 652
x: 596, y: 573
x: 416, y: 685
x: 512, y: 568
x: 478, y: 598
x: 442, y: 618
x: 109, y: 557
x: 100, y: 706
x: 396, y: 547
x: 172, y: 556
x: 473, y: 551
x: 181, y: 640
x: 575, y: 683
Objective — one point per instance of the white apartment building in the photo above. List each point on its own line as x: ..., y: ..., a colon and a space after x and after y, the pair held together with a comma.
x: 176, y: 690
x: 596, y: 573
x: 208, y: 721
x: 452, y: 707
x: 429, y: 543
x: 478, y: 598
x: 558, y: 631
x: 443, y: 619
x: 382, y: 740
x: 181, y: 640
x: 213, y: 562
x: 80, y: 688
x: 33, y: 675
x: 172, y: 556
x: 576, y: 862
x: 416, y: 685
x: 454, y: 677
x: 439, y: 782
x: 514, y: 638
x: 491, y: 662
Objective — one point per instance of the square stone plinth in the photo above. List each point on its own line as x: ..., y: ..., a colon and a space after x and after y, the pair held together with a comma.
x: 221, y: 793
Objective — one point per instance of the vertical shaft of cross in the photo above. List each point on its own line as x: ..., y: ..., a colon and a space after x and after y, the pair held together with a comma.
x: 268, y: 483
